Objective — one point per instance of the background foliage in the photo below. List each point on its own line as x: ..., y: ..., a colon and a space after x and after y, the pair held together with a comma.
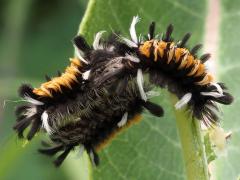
x: 35, y: 38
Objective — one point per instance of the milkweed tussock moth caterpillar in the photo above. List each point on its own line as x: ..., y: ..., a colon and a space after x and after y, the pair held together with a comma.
x: 102, y: 91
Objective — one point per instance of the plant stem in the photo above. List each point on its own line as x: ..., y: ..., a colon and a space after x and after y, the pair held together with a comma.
x: 78, y: 166
x: 193, y: 148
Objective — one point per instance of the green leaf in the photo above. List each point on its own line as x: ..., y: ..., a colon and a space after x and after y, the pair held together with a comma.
x: 228, y: 166
x: 152, y: 148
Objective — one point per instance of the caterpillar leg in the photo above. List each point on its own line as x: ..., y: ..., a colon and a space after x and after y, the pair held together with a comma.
x: 65, y: 150
x: 52, y: 150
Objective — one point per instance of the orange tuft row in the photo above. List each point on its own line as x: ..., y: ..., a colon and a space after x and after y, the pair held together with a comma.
x: 175, y: 54
x: 65, y: 80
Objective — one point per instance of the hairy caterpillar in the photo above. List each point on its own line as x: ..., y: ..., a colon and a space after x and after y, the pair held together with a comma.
x: 102, y: 91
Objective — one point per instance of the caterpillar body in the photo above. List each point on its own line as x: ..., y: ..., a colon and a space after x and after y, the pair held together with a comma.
x: 102, y: 91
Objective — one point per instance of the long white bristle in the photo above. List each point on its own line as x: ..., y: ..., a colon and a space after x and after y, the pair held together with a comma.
x: 79, y: 56
x: 213, y: 94
x: 31, y: 111
x: 132, y: 58
x: 132, y: 29
x: 129, y: 42
x: 140, y: 84
x: 218, y: 87
x: 111, y: 48
x: 96, y: 42
x: 213, y: 109
x: 149, y: 38
x: 183, y: 101
x: 123, y: 120
x: 33, y: 101
x: 45, y: 124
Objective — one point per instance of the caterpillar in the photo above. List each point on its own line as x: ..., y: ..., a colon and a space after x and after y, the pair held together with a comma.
x: 103, y: 91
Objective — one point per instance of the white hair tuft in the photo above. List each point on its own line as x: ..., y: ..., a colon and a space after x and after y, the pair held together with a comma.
x: 33, y: 101
x: 96, y: 42
x: 129, y: 42
x: 218, y: 87
x: 132, y: 29
x: 123, y: 120
x: 183, y: 101
x: 140, y: 84
x: 213, y: 94
x: 132, y: 58
x: 86, y: 75
x: 45, y: 124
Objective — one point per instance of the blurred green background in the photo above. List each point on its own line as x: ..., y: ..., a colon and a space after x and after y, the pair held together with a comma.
x: 35, y: 38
